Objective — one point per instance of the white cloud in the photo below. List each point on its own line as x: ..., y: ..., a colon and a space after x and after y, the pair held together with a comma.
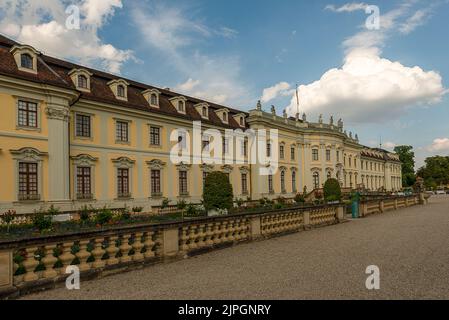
x: 367, y: 87
x: 42, y: 25
x: 175, y: 33
x: 418, y: 19
x: 441, y: 144
x: 273, y: 92
x: 347, y: 7
x: 97, y: 11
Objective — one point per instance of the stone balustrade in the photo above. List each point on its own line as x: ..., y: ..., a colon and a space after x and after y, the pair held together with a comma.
x: 40, y: 262
x: 390, y: 203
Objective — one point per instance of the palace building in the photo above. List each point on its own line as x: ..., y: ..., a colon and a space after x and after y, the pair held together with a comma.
x: 73, y: 136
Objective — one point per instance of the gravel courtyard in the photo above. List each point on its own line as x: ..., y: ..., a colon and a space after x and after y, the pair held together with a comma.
x: 410, y: 246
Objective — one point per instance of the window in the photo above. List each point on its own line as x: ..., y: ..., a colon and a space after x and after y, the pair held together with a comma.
x: 153, y: 99
x: 205, y: 143
x: 268, y: 149
x: 292, y: 153
x: 26, y: 61
x: 82, y: 82
x: 155, y: 136
x: 283, y: 181
x: 181, y: 106
x: 355, y: 162
x: 329, y: 175
x: 328, y: 155
x: 182, y: 140
x: 183, y: 183
x: 83, y: 183
x: 315, y: 154
x: 294, y: 181
x: 122, y: 131
x: 204, y: 112
x: 123, y: 183
x: 82, y: 126
x: 225, y: 117
x: 281, y: 151
x: 244, y: 183
x: 225, y: 146
x: 244, y: 148
x: 242, y: 123
x: 338, y: 156
x: 270, y: 183
x: 28, y: 182
x: 155, y: 182
x: 316, y: 180
x: 27, y: 116
x: 121, y: 91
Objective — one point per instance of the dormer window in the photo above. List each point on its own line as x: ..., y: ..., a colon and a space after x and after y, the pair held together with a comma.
x: 223, y: 115
x: 119, y: 88
x: 25, y: 58
x: 181, y: 106
x: 82, y: 81
x: 121, y: 91
x: 26, y: 61
x: 203, y: 109
x: 179, y: 103
x: 152, y: 96
x: 153, y: 99
x: 240, y: 119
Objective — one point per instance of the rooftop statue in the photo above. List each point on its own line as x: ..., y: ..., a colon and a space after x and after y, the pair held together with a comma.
x: 304, y: 117
x: 340, y: 123
x: 320, y: 119
x: 273, y: 110
x: 259, y: 105
x: 285, y: 113
x: 331, y: 122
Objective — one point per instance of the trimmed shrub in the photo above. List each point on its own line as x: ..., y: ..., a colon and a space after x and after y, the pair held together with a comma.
x: 217, y: 193
x: 332, y: 190
x: 84, y: 213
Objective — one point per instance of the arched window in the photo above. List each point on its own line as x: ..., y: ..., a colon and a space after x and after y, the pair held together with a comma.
x: 82, y: 81
x: 225, y: 117
x: 153, y: 99
x: 329, y: 175
x: 181, y: 106
x: 283, y: 181
x: 121, y: 91
x: 316, y: 180
x: 241, y: 121
x: 26, y: 61
x: 204, y: 111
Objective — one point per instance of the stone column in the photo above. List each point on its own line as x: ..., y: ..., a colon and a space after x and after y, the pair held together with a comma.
x: 255, y: 227
x: 58, y: 150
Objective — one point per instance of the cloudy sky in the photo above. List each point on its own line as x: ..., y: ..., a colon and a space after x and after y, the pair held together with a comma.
x: 388, y: 84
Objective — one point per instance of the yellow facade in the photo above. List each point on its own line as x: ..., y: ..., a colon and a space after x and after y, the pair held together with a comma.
x: 309, y: 153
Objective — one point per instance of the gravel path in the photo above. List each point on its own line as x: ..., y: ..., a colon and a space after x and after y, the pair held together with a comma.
x: 410, y: 246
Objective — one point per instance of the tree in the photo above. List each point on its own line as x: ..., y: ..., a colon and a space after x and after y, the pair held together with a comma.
x: 217, y: 193
x: 407, y: 157
x: 435, y: 171
x: 332, y: 190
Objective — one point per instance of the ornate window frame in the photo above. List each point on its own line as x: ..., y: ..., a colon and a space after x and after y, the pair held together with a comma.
x: 75, y: 73
x: 29, y: 155
x: 184, y: 167
x: 113, y: 84
x: 156, y: 164
x: 124, y: 163
x: 84, y: 160
x: 148, y: 93
x: 18, y: 50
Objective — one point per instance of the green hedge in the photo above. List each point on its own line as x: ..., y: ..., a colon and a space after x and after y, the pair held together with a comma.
x: 217, y: 192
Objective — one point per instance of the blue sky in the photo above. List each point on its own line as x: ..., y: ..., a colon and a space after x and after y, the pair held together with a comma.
x: 237, y: 52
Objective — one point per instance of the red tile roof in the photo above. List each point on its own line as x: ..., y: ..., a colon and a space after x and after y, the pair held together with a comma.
x: 54, y: 71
